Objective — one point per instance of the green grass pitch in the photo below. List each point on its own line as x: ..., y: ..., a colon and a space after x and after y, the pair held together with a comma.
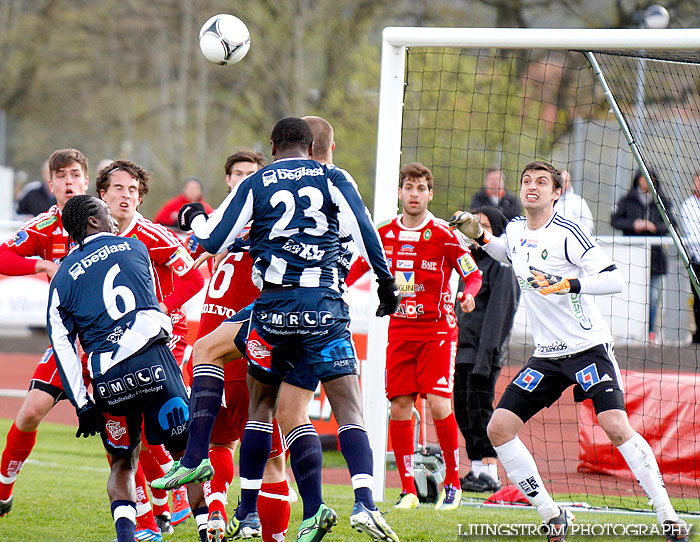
x: 60, y: 496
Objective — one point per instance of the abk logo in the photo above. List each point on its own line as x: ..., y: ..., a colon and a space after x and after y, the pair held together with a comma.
x: 173, y: 416
x: 528, y: 379
x: 340, y: 352
x: 588, y: 377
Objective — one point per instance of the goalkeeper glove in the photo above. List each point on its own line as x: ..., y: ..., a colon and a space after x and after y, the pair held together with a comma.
x: 469, y: 225
x: 388, y: 297
x: 187, y: 213
x: 90, y: 420
x: 552, y: 284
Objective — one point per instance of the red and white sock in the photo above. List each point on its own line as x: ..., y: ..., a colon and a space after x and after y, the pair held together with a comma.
x: 447, y: 434
x: 152, y: 469
x: 19, y: 446
x: 274, y: 510
x: 216, y: 489
x: 401, y: 432
x: 144, y: 513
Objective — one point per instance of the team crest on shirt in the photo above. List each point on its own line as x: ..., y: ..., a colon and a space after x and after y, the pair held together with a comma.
x: 427, y: 234
x: 544, y: 254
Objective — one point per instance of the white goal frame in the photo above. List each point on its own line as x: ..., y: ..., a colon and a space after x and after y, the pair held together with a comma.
x: 394, y: 43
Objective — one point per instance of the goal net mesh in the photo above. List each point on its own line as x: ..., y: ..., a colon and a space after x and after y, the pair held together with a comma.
x: 466, y: 110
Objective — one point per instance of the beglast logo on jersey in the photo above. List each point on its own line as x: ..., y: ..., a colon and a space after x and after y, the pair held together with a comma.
x: 269, y: 177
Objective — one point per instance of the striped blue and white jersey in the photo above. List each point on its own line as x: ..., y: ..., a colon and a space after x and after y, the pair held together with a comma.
x: 561, y: 324
x: 297, y: 206
x: 103, y: 295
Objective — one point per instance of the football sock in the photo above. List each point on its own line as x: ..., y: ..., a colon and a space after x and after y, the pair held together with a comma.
x: 493, y: 470
x: 274, y: 510
x: 161, y: 456
x: 354, y: 444
x: 522, y: 471
x: 478, y: 467
x: 306, y: 458
x: 144, y: 513
x: 207, y: 390
x: 19, y: 446
x: 447, y: 434
x: 641, y: 461
x: 255, y: 448
x: 153, y: 469
x: 201, y: 516
x: 216, y: 489
x: 124, y: 514
x: 401, y: 432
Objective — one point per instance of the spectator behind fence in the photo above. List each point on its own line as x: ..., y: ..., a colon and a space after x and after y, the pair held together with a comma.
x: 192, y: 190
x: 690, y: 220
x: 495, y: 194
x: 36, y: 196
x: 573, y: 206
x: 636, y: 213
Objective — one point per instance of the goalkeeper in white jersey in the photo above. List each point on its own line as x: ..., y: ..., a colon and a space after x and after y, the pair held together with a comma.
x: 557, y: 265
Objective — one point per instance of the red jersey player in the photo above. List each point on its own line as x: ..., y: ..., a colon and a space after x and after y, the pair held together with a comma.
x: 42, y: 236
x: 422, y: 252
x: 122, y: 185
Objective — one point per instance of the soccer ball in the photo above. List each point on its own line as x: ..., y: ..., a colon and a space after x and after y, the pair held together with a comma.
x: 224, y: 39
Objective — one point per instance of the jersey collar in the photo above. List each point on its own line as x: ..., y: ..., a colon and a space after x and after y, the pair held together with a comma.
x: 428, y: 217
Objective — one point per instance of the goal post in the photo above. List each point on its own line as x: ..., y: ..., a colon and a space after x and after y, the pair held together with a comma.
x: 396, y: 44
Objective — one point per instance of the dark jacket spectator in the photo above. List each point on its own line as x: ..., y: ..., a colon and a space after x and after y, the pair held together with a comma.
x: 36, y: 197
x: 484, y: 332
x: 636, y: 213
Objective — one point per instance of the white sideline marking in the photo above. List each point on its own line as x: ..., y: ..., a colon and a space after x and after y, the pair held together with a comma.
x: 16, y: 394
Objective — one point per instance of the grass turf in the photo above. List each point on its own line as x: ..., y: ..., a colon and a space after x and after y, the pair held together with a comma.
x: 60, y: 496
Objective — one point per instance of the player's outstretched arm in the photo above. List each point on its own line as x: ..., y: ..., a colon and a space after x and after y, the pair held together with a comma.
x: 469, y: 225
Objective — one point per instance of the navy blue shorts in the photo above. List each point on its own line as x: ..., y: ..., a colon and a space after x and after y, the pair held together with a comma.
x: 241, y: 317
x: 305, y: 327
x: 147, y: 389
x: 594, y: 372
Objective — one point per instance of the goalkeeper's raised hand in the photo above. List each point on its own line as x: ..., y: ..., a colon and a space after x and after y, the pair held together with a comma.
x: 187, y: 213
x: 388, y: 294
x: 470, y: 225
x: 547, y: 283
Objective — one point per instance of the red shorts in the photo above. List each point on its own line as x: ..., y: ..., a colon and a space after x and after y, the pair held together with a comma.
x: 420, y: 367
x: 180, y: 348
x: 47, y: 379
x: 231, y: 419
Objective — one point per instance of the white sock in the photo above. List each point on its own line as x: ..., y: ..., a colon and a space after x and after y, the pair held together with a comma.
x: 478, y: 467
x: 641, y: 461
x: 493, y: 470
x: 522, y: 471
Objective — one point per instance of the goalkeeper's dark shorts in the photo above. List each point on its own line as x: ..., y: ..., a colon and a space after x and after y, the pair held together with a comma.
x: 542, y: 381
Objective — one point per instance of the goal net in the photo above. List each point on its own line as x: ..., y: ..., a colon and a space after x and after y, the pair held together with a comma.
x: 602, y: 105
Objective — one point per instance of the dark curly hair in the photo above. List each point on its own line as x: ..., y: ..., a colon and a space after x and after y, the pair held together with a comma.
x: 136, y: 171
x: 290, y: 133
x: 75, y: 216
